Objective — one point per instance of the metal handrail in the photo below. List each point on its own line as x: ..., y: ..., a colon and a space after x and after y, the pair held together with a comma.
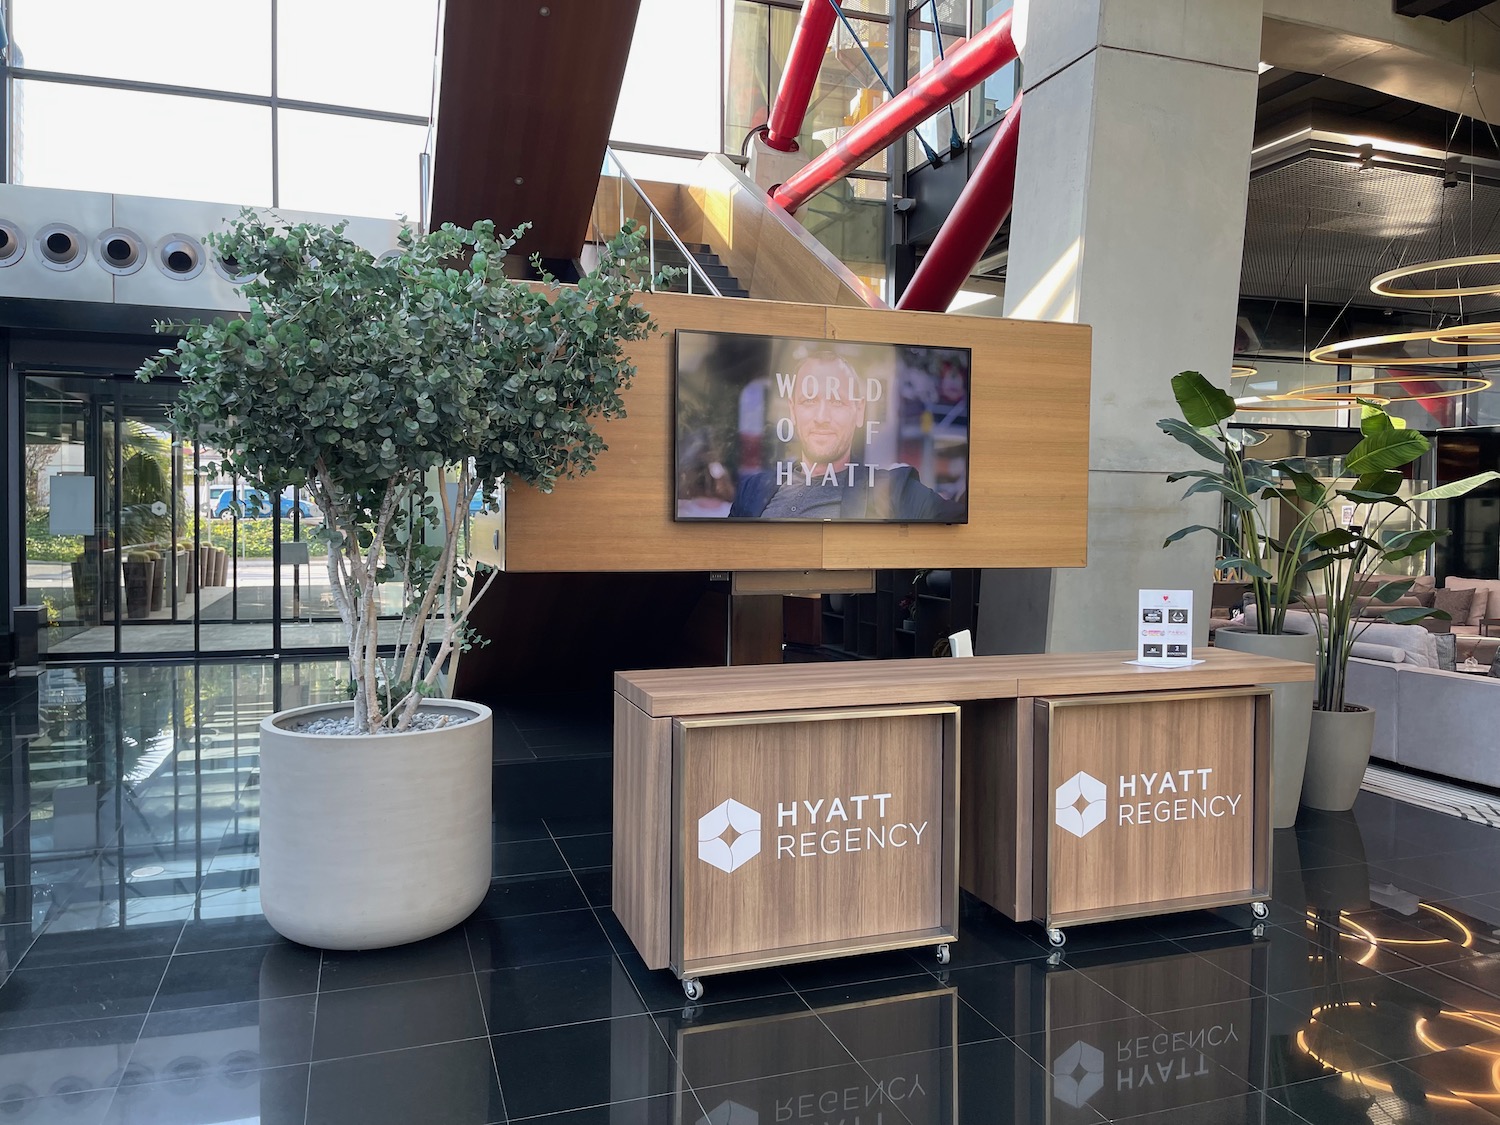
x: 654, y: 218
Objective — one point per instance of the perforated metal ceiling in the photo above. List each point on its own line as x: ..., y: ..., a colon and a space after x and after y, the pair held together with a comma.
x: 1319, y: 221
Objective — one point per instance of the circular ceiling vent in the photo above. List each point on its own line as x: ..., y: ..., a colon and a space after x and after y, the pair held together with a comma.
x: 12, y: 243
x: 120, y: 251
x: 180, y: 256
x: 61, y: 247
x: 229, y: 269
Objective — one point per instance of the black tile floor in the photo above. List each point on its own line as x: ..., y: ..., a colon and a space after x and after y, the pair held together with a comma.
x: 140, y: 984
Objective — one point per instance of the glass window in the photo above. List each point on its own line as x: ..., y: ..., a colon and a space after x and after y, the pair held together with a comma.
x: 92, y: 139
x: 675, y: 52
x: 349, y: 165
x: 212, y: 44
x: 659, y: 168
x: 377, y: 54
x: 923, y: 48
x: 992, y: 97
x: 747, y: 72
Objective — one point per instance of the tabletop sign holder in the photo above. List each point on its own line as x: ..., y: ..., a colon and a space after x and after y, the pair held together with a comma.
x: 1164, y: 627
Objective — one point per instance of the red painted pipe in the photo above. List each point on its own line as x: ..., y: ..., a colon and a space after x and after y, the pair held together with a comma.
x: 803, y: 61
x: 968, y: 64
x: 974, y: 221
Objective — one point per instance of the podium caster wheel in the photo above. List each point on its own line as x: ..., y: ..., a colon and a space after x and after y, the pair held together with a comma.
x: 1055, y: 958
x: 1057, y: 939
x: 692, y: 988
x: 942, y: 954
x: 1258, y: 930
x: 1260, y: 910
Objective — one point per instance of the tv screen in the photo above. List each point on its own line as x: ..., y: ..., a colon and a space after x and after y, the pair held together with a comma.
x: 772, y: 428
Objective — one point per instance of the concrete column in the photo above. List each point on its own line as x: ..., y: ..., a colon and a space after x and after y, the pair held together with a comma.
x: 1129, y: 216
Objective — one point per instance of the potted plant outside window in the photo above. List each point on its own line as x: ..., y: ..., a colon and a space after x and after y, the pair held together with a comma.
x: 394, y: 391
x: 1242, y: 483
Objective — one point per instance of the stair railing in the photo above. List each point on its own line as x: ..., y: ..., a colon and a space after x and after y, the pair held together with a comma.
x: 654, y: 219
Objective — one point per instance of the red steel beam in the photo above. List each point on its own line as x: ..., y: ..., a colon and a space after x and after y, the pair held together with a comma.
x: 968, y: 64
x: 803, y: 61
x: 974, y: 221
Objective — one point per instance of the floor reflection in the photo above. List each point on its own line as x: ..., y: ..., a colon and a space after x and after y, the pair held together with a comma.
x: 142, y: 984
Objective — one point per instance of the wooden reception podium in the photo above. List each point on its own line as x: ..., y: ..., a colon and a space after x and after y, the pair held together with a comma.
x: 791, y: 812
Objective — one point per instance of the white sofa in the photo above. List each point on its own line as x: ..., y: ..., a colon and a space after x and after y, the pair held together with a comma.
x: 1425, y: 718
x: 1428, y: 719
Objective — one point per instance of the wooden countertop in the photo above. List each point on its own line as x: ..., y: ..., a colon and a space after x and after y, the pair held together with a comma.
x: 868, y: 683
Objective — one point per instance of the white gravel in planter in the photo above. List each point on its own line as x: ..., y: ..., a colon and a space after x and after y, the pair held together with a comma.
x: 424, y: 720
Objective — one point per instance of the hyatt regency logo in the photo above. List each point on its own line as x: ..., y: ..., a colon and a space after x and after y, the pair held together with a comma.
x: 1080, y: 804
x: 1078, y: 1073
x: 730, y: 1113
x: 729, y: 835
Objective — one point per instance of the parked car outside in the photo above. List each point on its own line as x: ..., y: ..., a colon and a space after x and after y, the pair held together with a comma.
x: 252, y: 503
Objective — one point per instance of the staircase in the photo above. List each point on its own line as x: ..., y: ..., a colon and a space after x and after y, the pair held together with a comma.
x: 708, y: 264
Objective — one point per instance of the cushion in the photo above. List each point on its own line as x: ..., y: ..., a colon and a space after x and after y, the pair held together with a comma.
x: 1456, y: 603
x: 1365, y: 650
x: 1447, y: 650
x: 1419, y: 645
x: 1486, y: 596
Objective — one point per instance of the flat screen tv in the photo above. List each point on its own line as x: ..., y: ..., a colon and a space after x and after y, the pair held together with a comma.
x: 771, y: 428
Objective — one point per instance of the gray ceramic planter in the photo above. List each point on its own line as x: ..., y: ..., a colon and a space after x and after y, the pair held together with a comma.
x: 377, y: 840
x: 1337, y: 753
x: 1291, y: 713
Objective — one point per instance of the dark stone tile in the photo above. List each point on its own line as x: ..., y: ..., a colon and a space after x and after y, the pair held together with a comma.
x: 1014, y: 996
x: 847, y: 1092
x: 64, y: 1072
x: 1402, y: 1095
x: 71, y: 1106
x: 390, y: 1017
x: 214, y: 1090
x: 535, y: 939
x: 597, y: 886
x: 584, y: 852
x: 260, y: 1033
x: 440, y: 956
x: 80, y: 947
x: 527, y: 857
x: 583, y: 1064
x: 986, y: 937
x: 234, y: 976
x: 227, y: 933
x: 751, y: 1039
x: 547, y: 995
x: 643, y: 1111
x: 864, y: 967
x: 1253, y: 1108
x: 516, y: 895
x: 76, y: 992
x: 661, y: 991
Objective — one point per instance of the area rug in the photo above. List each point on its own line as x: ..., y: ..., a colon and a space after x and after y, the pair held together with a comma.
x: 1440, y: 796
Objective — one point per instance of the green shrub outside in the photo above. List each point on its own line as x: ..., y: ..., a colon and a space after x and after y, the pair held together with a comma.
x: 254, y: 539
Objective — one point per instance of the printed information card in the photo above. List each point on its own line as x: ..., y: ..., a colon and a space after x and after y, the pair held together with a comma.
x: 1164, y: 627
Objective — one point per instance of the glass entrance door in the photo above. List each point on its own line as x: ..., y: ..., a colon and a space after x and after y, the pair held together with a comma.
x: 134, y: 548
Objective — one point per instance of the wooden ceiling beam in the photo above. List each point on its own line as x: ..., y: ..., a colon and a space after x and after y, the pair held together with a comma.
x: 526, y: 98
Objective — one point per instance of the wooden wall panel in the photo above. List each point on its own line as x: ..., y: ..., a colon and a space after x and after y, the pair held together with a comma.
x: 1028, y: 503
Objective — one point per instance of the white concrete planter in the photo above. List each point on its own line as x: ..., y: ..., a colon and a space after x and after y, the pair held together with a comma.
x: 1291, y: 713
x: 1337, y: 754
x: 376, y: 840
